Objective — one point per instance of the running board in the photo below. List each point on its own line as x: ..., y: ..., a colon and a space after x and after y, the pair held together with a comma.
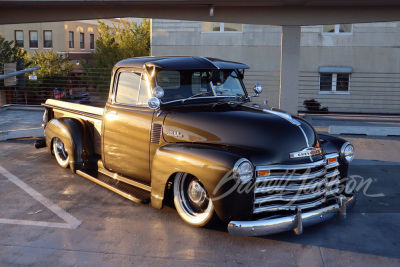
x: 126, y: 190
x: 113, y: 175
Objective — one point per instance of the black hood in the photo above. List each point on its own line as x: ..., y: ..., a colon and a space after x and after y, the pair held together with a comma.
x: 267, y: 138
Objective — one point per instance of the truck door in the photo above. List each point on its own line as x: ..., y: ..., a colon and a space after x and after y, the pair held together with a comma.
x: 126, y: 127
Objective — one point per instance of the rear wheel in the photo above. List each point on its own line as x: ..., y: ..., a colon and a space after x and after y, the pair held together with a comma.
x: 60, y: 152
x: 192, y: 201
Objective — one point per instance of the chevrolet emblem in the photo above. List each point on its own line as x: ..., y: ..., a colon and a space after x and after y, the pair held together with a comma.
x: 307, y: 152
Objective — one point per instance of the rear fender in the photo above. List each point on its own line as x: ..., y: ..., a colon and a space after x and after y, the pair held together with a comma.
x: 76, y: 137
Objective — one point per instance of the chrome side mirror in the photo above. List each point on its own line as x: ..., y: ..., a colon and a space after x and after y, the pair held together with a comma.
x: 158, y: 92
x: 153, y: 103
x: 257, y: 89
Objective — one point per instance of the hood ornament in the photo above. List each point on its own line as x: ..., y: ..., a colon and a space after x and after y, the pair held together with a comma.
x: 306, y: 152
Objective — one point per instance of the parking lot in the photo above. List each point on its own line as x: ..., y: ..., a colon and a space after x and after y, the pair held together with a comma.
x: 50, y: 216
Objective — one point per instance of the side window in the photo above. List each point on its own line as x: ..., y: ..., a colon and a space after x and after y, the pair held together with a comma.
x: 128, y: 88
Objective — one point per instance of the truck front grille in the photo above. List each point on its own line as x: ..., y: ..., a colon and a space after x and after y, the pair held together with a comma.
x: 287, y: 187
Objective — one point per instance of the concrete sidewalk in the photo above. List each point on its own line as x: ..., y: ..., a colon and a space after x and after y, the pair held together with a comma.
x: 17, y: 121
x: 356, y: 124
x: 20, y: 121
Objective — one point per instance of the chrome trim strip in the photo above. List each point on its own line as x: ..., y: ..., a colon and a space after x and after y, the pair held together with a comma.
x: 332, y: 165
x: 333, y: 183
x: 333, y: 155
x: 293, y: 188
x: 291, y: 177
x: 332, y: 174
x: 285, y: 116
x: 292, y: 167
x: 271, y: 208
x: 289, y: 197
x: 332, y: 192
x: 200, y: 97
x: 74, y: 111
x: 305, y: 136
x: 290, y: 119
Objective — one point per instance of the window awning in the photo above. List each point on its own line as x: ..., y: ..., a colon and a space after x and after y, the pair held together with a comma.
x: 335, y: 70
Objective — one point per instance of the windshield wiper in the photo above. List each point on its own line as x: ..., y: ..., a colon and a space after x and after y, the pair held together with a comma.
x: 198, y: 94
x: 235, y: 100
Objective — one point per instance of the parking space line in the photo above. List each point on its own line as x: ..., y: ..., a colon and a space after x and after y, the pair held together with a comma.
x: 70, y: 221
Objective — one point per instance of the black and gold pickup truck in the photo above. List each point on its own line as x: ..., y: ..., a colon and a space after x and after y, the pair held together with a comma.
x: 183, y: 127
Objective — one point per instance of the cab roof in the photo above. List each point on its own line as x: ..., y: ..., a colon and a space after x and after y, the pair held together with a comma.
x: 179, y: 63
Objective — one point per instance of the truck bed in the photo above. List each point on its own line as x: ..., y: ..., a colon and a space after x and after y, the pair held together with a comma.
x: 93, y: 115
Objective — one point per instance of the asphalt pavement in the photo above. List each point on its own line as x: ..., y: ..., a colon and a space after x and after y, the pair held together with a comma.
x: 20, y: 121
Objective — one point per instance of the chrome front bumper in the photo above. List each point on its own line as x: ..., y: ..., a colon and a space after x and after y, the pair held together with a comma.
x: 293, y: 222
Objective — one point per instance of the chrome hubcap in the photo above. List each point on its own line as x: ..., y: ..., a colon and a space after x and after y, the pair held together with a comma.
x: 196, y: 193
x: 61, y: 150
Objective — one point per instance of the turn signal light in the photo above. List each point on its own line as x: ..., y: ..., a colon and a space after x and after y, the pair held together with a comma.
x: 332, y: 160
x: 264, y: 173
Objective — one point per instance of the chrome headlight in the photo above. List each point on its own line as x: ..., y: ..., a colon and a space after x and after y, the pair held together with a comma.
x: 347, y: 152
x: 243, y: 170
x: 158, y: 92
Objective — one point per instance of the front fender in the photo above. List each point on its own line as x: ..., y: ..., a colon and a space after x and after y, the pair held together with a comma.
x: 72, y: 133
x: 332, y: 144
x: 212, y: 166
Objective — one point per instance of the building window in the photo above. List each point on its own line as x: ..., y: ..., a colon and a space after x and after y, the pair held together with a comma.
x: 92, y: 41
x: 19, y: 38
x: 222, y: 27
x: 33, y: 39
x: 71, y: 39
x: 334, y: 80
x: 48, y: 39
x: 337, y: 29
x: 82, y: 40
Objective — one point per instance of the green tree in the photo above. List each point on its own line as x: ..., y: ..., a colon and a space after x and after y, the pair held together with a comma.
x: 115, y: 43
x: 126, y: 40
x: 9, y: 53
x: 52, y: 64
x: 54, y: 72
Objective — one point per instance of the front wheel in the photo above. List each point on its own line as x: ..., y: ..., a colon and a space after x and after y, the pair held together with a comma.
x: 60, y: 152
x: 192, y: 201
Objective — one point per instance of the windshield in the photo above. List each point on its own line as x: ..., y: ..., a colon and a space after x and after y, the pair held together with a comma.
x: 205, y: 83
